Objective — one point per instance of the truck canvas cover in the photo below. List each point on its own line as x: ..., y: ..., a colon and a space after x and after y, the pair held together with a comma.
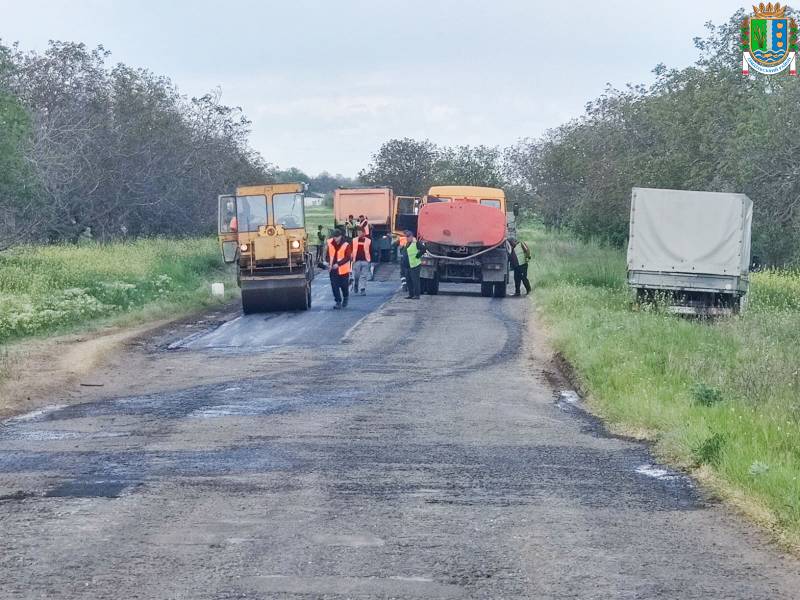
x: 690, y: 232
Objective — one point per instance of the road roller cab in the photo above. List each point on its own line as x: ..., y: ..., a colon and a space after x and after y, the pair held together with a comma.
x: 262, y: 230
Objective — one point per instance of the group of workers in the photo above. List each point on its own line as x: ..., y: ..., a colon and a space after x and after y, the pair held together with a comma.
x: 349, y: 260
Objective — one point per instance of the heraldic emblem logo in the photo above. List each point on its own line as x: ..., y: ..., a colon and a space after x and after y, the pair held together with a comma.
x: 769, y: 40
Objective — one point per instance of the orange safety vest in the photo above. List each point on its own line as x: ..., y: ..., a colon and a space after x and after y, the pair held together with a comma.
x: 367, y: 246
x: 344, y: 269
x: 365, y: 226
x: 402, y: 241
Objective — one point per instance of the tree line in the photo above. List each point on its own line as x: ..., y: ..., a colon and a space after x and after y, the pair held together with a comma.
x: 704, y: 127
x: 94, y: 150
x: 86, y: 146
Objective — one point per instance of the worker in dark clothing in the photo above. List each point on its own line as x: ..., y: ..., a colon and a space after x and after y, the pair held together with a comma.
x: 351, y: 229
x: 339, y: 255
x: 411, y: 256
x: 401, y: 248
x: 520, y: 256
x: 321, y: 243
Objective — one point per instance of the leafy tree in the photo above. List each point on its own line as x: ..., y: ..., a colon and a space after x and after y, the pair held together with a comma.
x: 470, y: 165
x: 406, y: 165
x: 292, y: 174
x: 704, y: 127
x: 325, y: 183
x: 115, y: 150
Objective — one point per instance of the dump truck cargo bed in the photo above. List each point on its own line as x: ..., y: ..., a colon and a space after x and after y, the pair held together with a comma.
x: 373, y: 203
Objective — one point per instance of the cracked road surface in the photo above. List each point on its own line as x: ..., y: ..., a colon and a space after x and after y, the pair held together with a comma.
x: 404, y: 449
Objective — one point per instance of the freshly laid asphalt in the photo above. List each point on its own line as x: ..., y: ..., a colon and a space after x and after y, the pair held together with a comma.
x: 399, y: 449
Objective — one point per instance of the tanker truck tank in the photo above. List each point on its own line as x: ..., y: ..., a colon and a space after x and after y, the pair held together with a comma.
x: 465, y: 241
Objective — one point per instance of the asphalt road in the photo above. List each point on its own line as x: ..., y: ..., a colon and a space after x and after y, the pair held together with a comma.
x: 320, y: 325
x: 423, y: 449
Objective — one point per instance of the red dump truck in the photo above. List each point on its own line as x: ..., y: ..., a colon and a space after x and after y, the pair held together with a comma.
x: 377, y: 205
x: 464, y: 230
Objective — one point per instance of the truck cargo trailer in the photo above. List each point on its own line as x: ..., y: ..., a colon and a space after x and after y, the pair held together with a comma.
x: 692, y: 248
x: 377, y: 205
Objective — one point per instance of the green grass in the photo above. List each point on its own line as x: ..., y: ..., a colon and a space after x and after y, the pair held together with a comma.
x: 318, y: 215
x: 47, y: 289
x: 721, y: 396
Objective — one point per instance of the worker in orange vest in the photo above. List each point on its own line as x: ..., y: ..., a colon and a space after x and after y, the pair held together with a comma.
x: 362, y: 249
x: 363, y: 223
x: 339, y: 255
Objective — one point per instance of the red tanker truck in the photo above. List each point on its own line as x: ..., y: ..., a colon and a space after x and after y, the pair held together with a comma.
x: 464, y: 229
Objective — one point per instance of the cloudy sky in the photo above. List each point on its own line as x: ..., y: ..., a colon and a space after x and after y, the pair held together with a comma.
x: 326, y: 81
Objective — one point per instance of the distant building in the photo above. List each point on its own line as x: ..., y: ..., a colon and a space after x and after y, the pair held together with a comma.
x: 314, y: 199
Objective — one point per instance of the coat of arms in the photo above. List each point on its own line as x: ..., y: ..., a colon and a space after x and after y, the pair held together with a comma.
x: 769, y: 40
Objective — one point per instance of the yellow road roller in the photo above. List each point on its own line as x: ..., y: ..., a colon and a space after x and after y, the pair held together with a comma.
x: 262, y: 230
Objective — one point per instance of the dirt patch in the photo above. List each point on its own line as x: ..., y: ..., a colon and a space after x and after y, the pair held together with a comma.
x: 112, y: 362
x: 38, y: 371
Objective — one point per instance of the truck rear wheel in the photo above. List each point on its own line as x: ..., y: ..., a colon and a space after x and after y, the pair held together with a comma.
x: 433, y: 285
x: 500, y: 289
x: 486, y: 289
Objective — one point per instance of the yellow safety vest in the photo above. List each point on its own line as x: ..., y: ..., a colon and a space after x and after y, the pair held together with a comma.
x: 412, y: 250
x: 519, y: 252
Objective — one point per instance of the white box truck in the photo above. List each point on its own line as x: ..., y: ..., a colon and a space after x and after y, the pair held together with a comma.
x: 691, y: 247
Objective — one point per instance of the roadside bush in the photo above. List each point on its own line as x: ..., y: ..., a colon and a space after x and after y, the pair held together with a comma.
x: 46, y: 288
x: 706, y: 395
x: 708, y: 451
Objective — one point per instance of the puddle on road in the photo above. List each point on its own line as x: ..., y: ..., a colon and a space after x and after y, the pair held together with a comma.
x: 568, y: 400
x: 660, y: 473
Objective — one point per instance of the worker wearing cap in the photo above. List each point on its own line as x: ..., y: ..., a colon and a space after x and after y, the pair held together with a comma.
x: 520, y: 256
x: 339, y: 255
x: 412, y: 254
x: 362, y: 248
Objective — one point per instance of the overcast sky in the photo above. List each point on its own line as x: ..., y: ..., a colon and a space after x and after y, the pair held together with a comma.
x: 325, y: 82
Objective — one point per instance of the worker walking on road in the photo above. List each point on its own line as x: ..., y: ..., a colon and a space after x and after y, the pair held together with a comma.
x: 339, y: 255
x: 520, y: 256
x: 362, y: 247
x: 412, y: 255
